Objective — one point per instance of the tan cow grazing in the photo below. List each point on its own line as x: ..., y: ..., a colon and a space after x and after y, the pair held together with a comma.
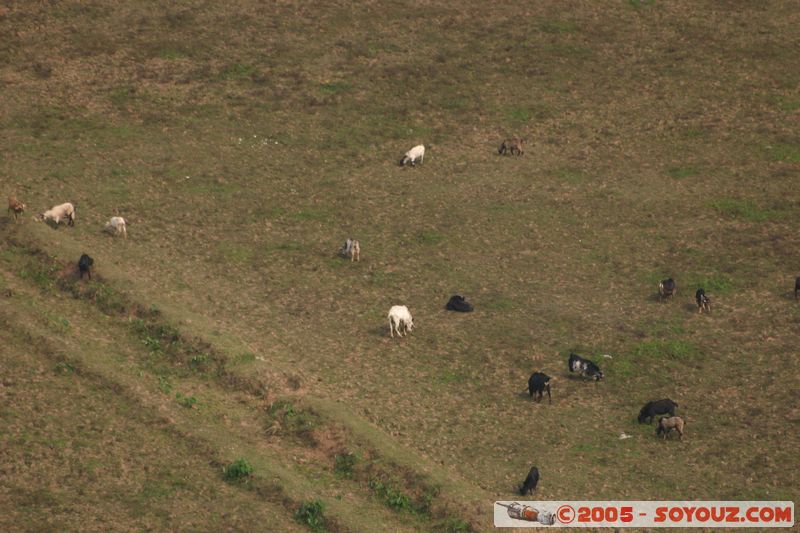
x: 667, y: 424
x: 351, y: 249
x: 15, y: 207
x: 511, y: 146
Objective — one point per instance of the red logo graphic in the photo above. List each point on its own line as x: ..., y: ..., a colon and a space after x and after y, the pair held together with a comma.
x: 565, y: 514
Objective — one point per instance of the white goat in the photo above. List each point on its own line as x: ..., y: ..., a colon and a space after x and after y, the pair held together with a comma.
x: 58, y: 213
x: 400, y: 320
x: 418, y: 152
x: 351, y: 249
x: 117, y: 226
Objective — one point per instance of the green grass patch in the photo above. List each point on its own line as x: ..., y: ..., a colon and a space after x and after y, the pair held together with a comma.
x: 311, y: 514
x: 430, y: 238
x: 499, y: 303
x: 243, y: 358
x: 310, y: 214
x: 716, y: 284
x: 789, y: 153
x: 64, y: 367
x: 558, y: 26
x: 238, y: 71
x: 230, y: 252
x: 666, y: 349
x: 333, y: 87
x: 519, y: 114
x: 682, y: 172
x: 571, y: 175
x: 744, y: 209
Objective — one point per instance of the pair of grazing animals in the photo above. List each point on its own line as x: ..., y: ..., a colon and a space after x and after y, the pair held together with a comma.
x: 668, y: 288
x: 539, y: 382
x: 511, y: 146
x: 665, y: 424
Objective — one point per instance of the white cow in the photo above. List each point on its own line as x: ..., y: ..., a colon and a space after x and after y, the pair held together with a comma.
x: 60, y: 212
x: 117, y: 226
x: 400, y: 320
x: 418, y: 152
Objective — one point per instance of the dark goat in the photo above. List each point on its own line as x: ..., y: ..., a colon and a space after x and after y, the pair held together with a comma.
x: 511, y: 146
x: 585, y: 367
x: 537, y: 384
x: 458, y: 303
x: 85, y: 266
x: 658, y: 407
x: 529, y: 485
x: 796, y: 288
x: 667, y: 288
x: 703, y: 301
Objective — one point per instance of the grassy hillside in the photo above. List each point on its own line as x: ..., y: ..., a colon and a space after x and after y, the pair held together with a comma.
x: 245, y: 141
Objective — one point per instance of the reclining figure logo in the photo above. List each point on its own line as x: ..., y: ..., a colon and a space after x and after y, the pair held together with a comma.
x: 529, y: 514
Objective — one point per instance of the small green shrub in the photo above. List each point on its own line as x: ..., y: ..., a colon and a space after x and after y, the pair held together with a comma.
x: 311, y: 514
x: 343, y: 465
x: 152, y: 344
x: 238, y: 470
x: 198, y: 362
x: 64, y: 368
x: 186, y: 401
x: 164, y: 385
x: 391, y: 496
x: 294, y: 421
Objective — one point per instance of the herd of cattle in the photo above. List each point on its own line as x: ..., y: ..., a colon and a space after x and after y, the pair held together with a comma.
x: 401, y: 321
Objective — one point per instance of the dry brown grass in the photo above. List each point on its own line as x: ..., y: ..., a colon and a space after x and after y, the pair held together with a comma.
x: 661, y: 141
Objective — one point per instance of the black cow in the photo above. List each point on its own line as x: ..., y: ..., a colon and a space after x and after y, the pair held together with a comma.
x: 85, y: 266
x: 703, y: 301
x: 659, y: 407
x: 585, y: 367
x: 538, y: 383
x: 667, y: 288
x: 529, y: 485
x: 458, y: 303
x: 796, y: 288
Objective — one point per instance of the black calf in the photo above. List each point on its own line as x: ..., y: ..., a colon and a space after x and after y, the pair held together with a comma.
x: 658, y: 407
x: 85, y: 266
x: 537, y: 384
x: 458, y: 303
x: 529, y: 485
x: 703, y: 301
